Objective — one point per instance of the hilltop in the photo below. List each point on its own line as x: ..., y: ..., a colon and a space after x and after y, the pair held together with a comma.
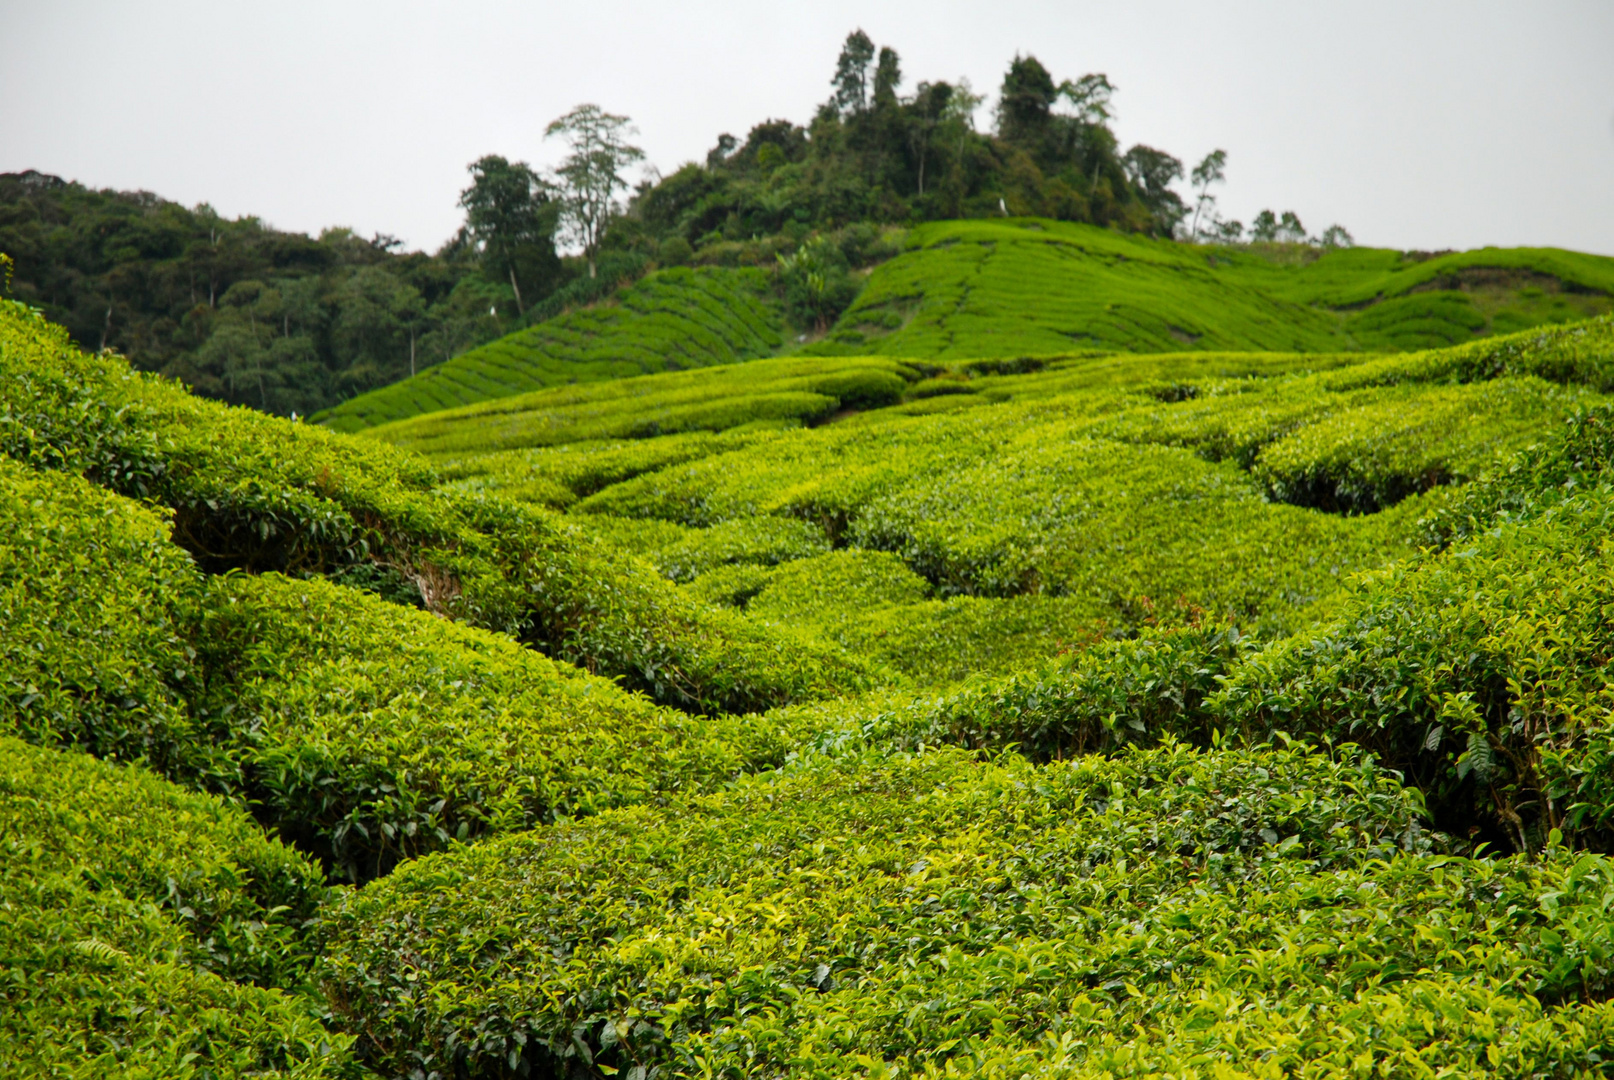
x: 1025, y: 287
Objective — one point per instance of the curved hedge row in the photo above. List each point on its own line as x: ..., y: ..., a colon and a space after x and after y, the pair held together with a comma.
x: 372, y: 733
x: 130, y: 906
x: 365, y: 730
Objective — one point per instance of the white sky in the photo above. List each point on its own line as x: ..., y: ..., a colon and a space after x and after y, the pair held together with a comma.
x: 1414, y: 123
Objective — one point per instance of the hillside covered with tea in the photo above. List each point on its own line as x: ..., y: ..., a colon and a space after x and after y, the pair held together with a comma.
x: 942, y: 697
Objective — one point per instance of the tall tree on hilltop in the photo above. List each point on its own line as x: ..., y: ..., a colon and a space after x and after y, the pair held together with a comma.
x: 511, y: 214
x: 1212, y: 170
x: 591, y: 175
x: 851, y: 80
x: 1025, y: 102
x: 1152, y: 172
x: 887, y: 77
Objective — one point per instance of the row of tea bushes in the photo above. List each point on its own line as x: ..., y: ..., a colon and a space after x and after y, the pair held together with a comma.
x: 131, y: 909
x: 880, y: 915
x: 365, y: 730
x: 375, y: 733
x: 667, y: 321
x: 766, y: 392
x: 258, y: 493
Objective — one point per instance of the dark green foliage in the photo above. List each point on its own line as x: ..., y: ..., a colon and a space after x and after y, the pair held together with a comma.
x: 671, y: 320
x: 130, y: 905
x: 279, y: 321
x: 817, y: 283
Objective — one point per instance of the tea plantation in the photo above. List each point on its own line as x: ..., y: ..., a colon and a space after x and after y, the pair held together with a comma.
x: 994, y: 289
x: 994, y: 702
x: 674, y: 319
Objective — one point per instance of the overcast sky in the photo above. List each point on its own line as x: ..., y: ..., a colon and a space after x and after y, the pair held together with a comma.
x: 1414, y: 124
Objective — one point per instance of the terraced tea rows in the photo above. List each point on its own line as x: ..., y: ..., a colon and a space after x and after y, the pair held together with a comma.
x: 674, y: 319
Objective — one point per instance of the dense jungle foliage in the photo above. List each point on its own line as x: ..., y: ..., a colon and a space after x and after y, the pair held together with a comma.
x: 1196, y: 714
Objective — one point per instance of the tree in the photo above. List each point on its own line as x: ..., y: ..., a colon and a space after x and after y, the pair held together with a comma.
x: 1264, y: 229
x: 1336, y: 236
x: 1026, y: 101
x: 591, y: 174
x: 887, y: 77
x: 511, y: 214
x: 1152, y: 173
x: 1290, y: 231
x: 851, y: 80
x: 1212, y: 170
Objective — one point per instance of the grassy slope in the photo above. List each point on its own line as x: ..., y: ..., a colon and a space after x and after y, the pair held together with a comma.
x: 1003, y: 288
x: 677, y: 318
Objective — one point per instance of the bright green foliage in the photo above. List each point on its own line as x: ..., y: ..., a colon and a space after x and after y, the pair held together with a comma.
x: 376, y: 733
x: 1481, y: 672
x: 242, y: 898
x: 678, y: 318
x: 1008, y: 288
x: 852, y: 914
x: 257, y: 493
x: 94, y: 641
x: 871, y: 604
x: 557, y: 476
x: 777, y: 393
x: 1114, y: 694
x: 683, y: 554
x: 125, y: 900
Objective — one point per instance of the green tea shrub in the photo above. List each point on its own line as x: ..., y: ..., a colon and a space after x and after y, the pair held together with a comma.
x: 1099, y: 699
x: 843, y: 916
x: 244, y: 901
x: 1089, y: 517
x: 376, y: 733
x: 1481, y: 672
x: 1375, y: 455
x: 130, y: 906
x: 671, y: 320
x: 837, y: 583
x: 95, y: 649
x: 557, y: 476
x: 683, y: 554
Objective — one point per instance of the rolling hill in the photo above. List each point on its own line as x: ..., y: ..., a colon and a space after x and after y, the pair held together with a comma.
x: 993, y: 289
x: 1209, y: 712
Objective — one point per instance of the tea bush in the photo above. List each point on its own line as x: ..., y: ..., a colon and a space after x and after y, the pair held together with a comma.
x: 243, y: 900
x: 130, y: 906
x: 667, y: 321
x: 846, y: 918
x: 1481, y: 672
x: 95, y: 648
